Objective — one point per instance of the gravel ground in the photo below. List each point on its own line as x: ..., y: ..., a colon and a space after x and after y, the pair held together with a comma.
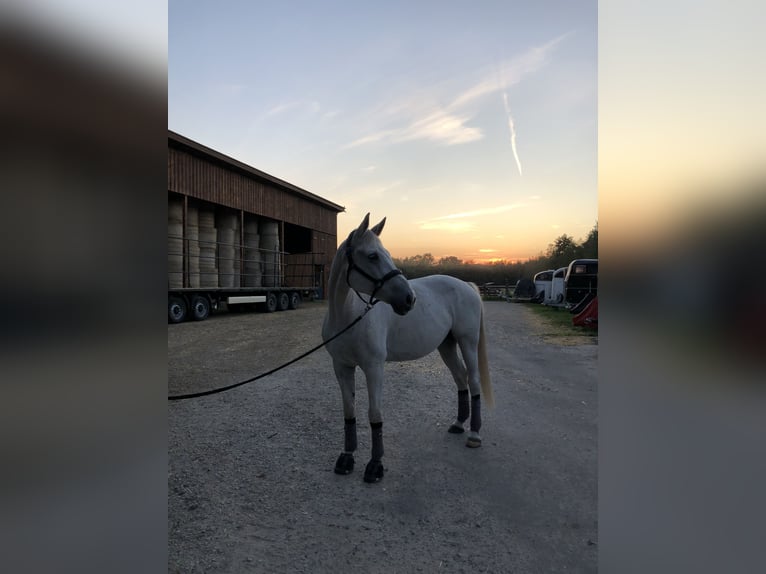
x: 251, y: 486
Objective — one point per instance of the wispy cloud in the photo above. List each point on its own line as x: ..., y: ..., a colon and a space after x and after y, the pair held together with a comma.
x: 510, y: 73
x: 449, y: 124
x: 456, y: 222
x: 438, y: 126
x: 451, y: 226
x: 487, y: 250
x: 480, y: 212
x: 302, y: 105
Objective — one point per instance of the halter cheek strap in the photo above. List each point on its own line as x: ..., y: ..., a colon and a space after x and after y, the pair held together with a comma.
x: 377, y: 282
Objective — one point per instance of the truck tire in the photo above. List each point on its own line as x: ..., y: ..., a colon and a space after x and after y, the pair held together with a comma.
x: 271, y: 302
x: 284, y: 301
x: 200, y: 308
x: 176, y: 309
x: 295, y: 300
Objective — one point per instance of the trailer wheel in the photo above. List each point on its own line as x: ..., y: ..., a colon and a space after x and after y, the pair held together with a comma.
x: 284, y: 301
x: 200, y: 307
x: 295, y: 300
x: 271, y: 302
x: 176, y: 309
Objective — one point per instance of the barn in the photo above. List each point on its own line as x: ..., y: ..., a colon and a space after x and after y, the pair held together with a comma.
x: 237, y: 235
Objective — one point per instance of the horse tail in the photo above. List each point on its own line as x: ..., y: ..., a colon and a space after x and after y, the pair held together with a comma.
x: 486, y: 384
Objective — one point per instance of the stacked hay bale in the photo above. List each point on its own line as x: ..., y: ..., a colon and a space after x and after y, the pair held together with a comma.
x: 227, y: 224
x: 252, y: 255
x: 175, y: 243
x: 192, y: 245
x: 208, y: 236
x: 270, y: 253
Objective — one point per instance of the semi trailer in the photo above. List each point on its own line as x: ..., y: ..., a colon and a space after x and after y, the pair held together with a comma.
x: 218, y: 258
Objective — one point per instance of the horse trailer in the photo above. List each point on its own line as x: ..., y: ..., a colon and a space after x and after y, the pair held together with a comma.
x: 580, y: 280
x: 558, y: 289
x: 240, y: 237
x: 542, y: 281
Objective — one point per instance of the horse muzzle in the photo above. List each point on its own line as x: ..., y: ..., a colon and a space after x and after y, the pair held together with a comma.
x: 406, y: 305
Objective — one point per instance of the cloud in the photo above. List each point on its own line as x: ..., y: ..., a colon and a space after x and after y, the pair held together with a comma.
x: 451, y: 226
x: 480, y: 212
x: 438, y: 126
x: 509, y: 73
x: 413, y: 119
x: 311, y: 106
x: 449, y: 223
x: 487, y: 250
x: 441, y: 127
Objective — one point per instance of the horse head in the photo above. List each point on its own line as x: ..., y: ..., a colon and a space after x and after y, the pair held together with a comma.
x: 372, y: 271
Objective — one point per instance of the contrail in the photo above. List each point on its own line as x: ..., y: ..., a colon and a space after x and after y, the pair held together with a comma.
x: 513, y: 131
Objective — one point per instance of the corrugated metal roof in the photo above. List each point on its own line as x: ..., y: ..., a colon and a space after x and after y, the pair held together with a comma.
x: 184, y: 142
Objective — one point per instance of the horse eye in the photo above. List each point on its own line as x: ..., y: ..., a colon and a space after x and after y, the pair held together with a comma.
x: 372, y: 256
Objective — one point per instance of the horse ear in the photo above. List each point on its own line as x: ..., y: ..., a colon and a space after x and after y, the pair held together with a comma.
x: 364, y: 225
x: 359, y: 230
x: 379, y: 227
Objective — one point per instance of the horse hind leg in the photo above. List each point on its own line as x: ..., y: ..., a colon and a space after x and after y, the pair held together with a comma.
x: 449, y: 354
x: 470, y: 352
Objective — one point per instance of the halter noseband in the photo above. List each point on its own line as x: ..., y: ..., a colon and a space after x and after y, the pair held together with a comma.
x: 377, y: 282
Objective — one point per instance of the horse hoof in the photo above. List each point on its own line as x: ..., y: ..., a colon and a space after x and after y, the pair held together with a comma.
x: 345, y: 463
x: 456, y: 429
x: 374, y: 471
x: 473, y: 440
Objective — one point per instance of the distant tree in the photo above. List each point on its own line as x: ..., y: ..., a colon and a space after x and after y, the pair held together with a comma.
x: 559, y: 254
x: 422, y: 260
x: 563, y: 249
x: 590, y: 245
x: 450, y: 260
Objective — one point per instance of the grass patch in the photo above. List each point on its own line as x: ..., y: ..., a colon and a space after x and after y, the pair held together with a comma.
x: 560, y: 321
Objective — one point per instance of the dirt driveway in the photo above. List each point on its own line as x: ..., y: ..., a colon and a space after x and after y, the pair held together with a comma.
x: 251, y: 486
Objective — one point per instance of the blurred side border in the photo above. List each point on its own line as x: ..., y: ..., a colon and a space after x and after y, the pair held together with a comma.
x: 83, y: 353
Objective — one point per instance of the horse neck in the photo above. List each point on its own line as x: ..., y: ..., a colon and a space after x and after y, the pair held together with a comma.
x: 338, y: 288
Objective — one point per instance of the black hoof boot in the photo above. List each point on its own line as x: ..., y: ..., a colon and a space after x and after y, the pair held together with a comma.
x: 374, y: 471
x: 456, y: 428
x: 345, y: 463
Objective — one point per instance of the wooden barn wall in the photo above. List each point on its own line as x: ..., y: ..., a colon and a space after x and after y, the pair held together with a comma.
x: 207, y: 180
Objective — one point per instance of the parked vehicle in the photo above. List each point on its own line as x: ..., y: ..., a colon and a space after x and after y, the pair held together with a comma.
x: 557, y: 287
x: 542, y: 282
x: 581, y: 279
x: 237, y: 275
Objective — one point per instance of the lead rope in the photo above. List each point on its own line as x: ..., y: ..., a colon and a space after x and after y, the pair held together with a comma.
x: 272, y: 371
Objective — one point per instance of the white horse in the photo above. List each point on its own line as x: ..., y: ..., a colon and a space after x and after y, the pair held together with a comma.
x: 448, y: 315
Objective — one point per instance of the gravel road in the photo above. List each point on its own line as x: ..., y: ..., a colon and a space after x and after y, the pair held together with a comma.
x: 251, y: 486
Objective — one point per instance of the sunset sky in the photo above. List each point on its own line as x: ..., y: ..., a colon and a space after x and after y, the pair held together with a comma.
x: 471, y: 126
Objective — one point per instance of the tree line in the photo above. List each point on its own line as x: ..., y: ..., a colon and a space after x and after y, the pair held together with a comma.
x: 559, y: 253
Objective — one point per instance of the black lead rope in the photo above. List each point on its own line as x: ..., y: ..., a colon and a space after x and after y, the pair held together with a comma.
x: 377, y: 284
x: 272, y: 371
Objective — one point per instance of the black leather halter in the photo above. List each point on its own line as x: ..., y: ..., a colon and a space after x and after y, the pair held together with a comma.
x: 377, y: 282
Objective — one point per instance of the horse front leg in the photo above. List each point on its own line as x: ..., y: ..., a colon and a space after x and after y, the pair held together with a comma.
x: 374, y: 470
x: 345, y: 376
